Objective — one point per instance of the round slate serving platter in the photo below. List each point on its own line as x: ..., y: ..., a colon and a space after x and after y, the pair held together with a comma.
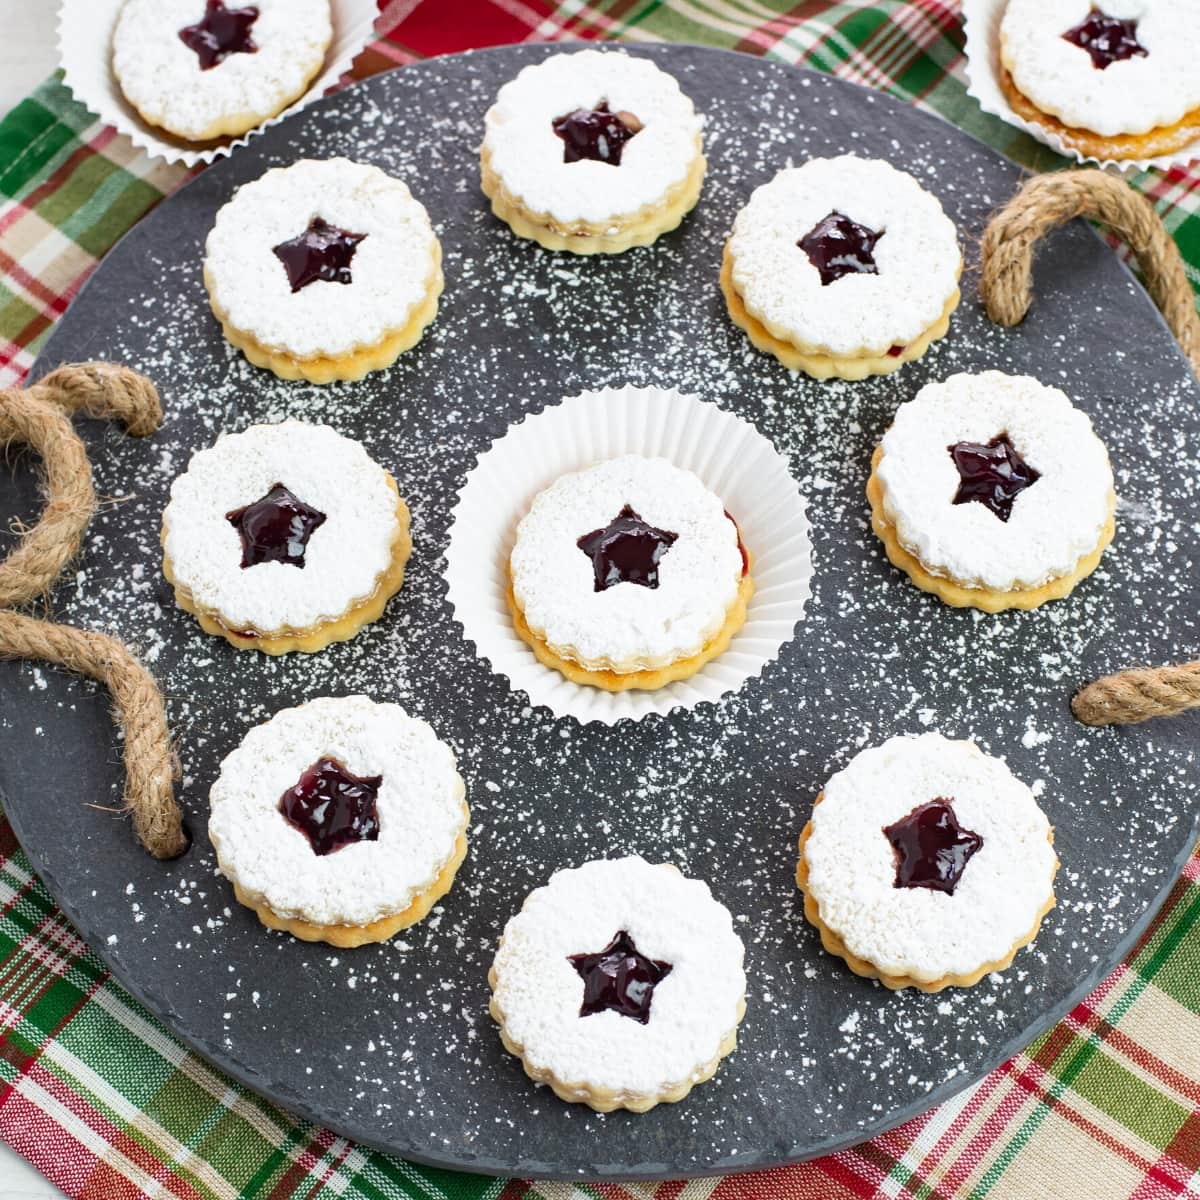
x: 392, y: 1044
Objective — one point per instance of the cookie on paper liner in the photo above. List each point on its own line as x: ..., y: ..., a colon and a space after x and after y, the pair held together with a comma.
x: 619, y: 984
x: 324, y: 270
x: 926, y: 864
x: 285, y: 537
x: 992, y: 491
x: 160, y: 63
x: 592, y: 152
x: 629, y: 574
x: 340, y: 821
x: 205, y: 69
x: 739, y: 469
x: 1112, y: 83
x: 842, y: 268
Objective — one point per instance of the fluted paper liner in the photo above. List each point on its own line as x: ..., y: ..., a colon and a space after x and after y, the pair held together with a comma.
x: 982, y: 26
x: 734, y: 461
x: 85, y: 30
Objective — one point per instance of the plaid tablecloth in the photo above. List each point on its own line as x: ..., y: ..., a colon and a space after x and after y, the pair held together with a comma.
x: 110, y: 1106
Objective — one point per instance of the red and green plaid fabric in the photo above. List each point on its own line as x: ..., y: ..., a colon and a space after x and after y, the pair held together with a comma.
x: 110, y: 1106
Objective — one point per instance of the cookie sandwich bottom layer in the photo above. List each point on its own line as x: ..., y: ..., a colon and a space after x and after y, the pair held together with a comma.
x: 347, y: 937
x: 959, y: 595
x: 607, y: 1099
x: 833, y: 943
x: 637, y: 678
x: 1166, y: 139
x: 814, y: 362
x: 328, y: 368
x: 596, y: 237
x: 316, y: 637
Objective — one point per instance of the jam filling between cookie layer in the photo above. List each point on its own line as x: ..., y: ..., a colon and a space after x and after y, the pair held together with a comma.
x: 932, y: 849
x: 626, y: 550
x: 839, y: 246
x: 620, y: 979
x: 1107, y: 39
x: 275, y: 528
x: 994, y: 474
x: 322, y: 252
x: 219, y: 33
x: 332, y: 806
x: 596, y: 134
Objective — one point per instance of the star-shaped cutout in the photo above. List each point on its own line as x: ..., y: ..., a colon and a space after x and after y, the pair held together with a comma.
x: 597, y: 134
x: 626, y: 550
x: 322, y: 251
x: 1107, y: 39
x: 994, y: 473
x: 219, y: 33
x: 275, y: 528
x: 839, y: 246
x: 620, y: 978
x: 332, y: 806
x: 932, y: 849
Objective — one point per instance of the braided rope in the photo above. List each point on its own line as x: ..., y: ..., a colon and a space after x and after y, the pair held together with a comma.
x: 37, y: 417
x: 1042, y: 205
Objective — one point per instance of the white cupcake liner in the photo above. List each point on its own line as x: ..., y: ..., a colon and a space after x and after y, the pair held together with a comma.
x: 734, y: 461
x: 85, y: 30
x: 982, y: 25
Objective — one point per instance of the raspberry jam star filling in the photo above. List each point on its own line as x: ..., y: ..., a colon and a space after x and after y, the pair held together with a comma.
x: 333, y: 807
x: 597, y: 134
x: 1107, y: 39
x: 626, y: 550
x: 275, y: 528
x: 322, y: 252
x: 219, y: 33
x: 994, y: 474
x: 932, y: 849
x: 839, y: 246
x: 619, y: 978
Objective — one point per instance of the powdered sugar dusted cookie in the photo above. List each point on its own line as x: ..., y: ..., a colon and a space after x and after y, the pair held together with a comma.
x: 340, y: 821
x: 993, y: 491
x: 628, y: 574
x: 285, y: 537
x: 1115, y: 80
x: 842, y: 267
x: 620, y: 984
x: 591, y: 152
x: 204, y: 69
x: 927, y: 863
x: 323, y: 270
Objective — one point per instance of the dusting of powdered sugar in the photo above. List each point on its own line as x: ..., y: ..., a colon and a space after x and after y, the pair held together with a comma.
x: 1131, y: 96
x: 917, y: 257
x: 419, y: 805
x: 161, y: 75
x: 527, y: 155
x: 626, y: 625
x: 917, y: 931
x: 345, y: 555
x: 392, y: 1043
x: 670, y: 919
x: 390, y: 273
x: 1053, y: 524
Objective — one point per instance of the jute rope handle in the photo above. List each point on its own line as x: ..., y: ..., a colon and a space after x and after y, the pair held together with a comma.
x: 38, y: 417
x: 1042, y: 205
